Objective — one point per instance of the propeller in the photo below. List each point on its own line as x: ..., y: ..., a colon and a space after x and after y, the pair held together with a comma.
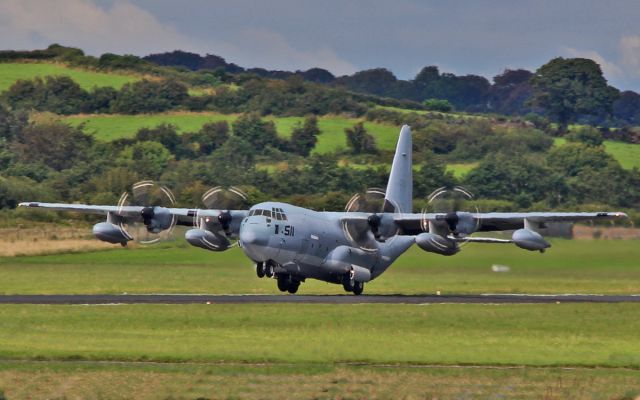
x: 450, y: 220
x: 227, y: 200
x: 447, y: 205
x: 155, y: 200
x: 366, y: 231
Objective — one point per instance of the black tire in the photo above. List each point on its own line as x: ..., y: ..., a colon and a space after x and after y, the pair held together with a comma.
x: 260, y: 270
x: 269, y: 270
x: 348, y: 283
x: 293, y: 287
x: 358, y: 288
x: 283, y: 283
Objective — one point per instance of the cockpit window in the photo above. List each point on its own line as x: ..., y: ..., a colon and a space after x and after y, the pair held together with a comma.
x: 275, y: 213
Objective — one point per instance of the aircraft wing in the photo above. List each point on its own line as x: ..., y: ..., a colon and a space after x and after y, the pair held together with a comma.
x: 499, y: 221
x: 185, y: 216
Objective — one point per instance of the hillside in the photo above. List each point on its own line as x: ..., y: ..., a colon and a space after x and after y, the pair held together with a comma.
x: 11, y: 72
x: 332, y: 137
x: 194, y: 130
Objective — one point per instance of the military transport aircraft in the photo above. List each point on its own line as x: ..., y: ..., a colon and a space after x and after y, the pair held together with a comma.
x: 350, y: 248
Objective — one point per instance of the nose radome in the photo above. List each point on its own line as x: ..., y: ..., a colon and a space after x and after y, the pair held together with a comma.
x: 250, y: 236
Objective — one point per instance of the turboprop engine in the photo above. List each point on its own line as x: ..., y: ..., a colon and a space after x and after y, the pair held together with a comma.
x: 437, y: 244
x: 207, y: 240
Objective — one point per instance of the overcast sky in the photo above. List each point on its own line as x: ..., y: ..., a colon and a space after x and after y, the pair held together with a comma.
x: 470, y: 36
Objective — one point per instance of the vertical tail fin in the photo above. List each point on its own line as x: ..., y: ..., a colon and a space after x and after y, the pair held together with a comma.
x: 400, y: 186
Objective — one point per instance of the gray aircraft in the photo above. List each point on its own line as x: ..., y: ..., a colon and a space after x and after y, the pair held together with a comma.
x: 292, y: 244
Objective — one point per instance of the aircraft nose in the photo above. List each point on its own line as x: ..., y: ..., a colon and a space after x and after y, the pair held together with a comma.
x: 252, y: 237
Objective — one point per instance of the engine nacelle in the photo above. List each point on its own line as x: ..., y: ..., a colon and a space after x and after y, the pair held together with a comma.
x: 108, y: 232
x: 206, y: 240
x: 157, y: 219
x: 437, y: 244
x: 529, y: 240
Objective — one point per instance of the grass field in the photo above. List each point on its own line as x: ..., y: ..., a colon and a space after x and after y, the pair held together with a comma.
x: 11, y: 72
x: 445, y: 334
x: 332, y: 137
x: 82, y: 380
x: 600, y: 266
x: 627, y: 154
x: 460, y: 170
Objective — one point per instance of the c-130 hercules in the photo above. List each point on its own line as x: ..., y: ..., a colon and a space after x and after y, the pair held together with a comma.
x: 349, y: 248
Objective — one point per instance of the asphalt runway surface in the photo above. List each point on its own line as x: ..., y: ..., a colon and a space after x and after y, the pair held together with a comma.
x: 311, y: 299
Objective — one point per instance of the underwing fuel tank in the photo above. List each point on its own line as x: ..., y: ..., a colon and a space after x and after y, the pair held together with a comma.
x: 108, y: 232
x: 529, y: 240
x: 437, y: 244
x: 206, y: 240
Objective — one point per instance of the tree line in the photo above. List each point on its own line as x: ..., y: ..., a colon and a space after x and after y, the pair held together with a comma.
x: 517, y: 167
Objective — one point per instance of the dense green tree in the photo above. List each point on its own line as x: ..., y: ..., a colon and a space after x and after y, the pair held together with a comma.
x: 587, y: 135
x: 304, y: 137
x: 441, y: 105
x: 571, y: 158
x: 359, y: 140
x: 508, y: 176
x: 627, y: 108
x: 256, y: 132
x: 566, y: 88
x: 99, y: 99
x: 55, y: 145
x: 431, y: 176
x: 165, y: 134
x: 149, y: 96
x: 11, y: 123
x: 510, y: 92
x: 148, y: 159
x: 57, y: 94
x: 211, y: 136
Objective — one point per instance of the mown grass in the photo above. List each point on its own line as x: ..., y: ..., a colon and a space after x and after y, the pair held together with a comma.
x: 605, y: 266
x: 460, y: 170
x: 332, y: 137
x: 28, y: 380
x: 11, y: 72
x: 534, y: 335
x: 627, y: 154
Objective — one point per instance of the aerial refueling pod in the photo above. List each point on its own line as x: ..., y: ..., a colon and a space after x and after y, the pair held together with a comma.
x: 437, y: 244
x: 529, y: 240
x: 108, y: 232
x: 207, y: 240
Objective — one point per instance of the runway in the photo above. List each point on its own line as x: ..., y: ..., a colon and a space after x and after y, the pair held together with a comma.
x: 311, y: 299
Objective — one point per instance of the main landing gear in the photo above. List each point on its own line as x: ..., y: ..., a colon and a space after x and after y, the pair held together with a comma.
x: 286, y: 282
x: 351, y: 285
x: 265, y: 269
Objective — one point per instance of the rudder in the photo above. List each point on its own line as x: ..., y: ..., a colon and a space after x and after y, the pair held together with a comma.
x: 400, y: 187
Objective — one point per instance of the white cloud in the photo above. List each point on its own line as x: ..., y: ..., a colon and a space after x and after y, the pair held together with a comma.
x: 125, y: 28
x: 630, y: 54
x: 610, y: 69
x: 122, y: 28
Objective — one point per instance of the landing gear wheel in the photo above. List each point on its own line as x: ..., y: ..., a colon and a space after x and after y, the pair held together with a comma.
x: 270, y: 269
x: 358, y: 288
x: 283, y: 283
x: 348, y: 283
x: 293, y: 286
x: 260, y: 270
